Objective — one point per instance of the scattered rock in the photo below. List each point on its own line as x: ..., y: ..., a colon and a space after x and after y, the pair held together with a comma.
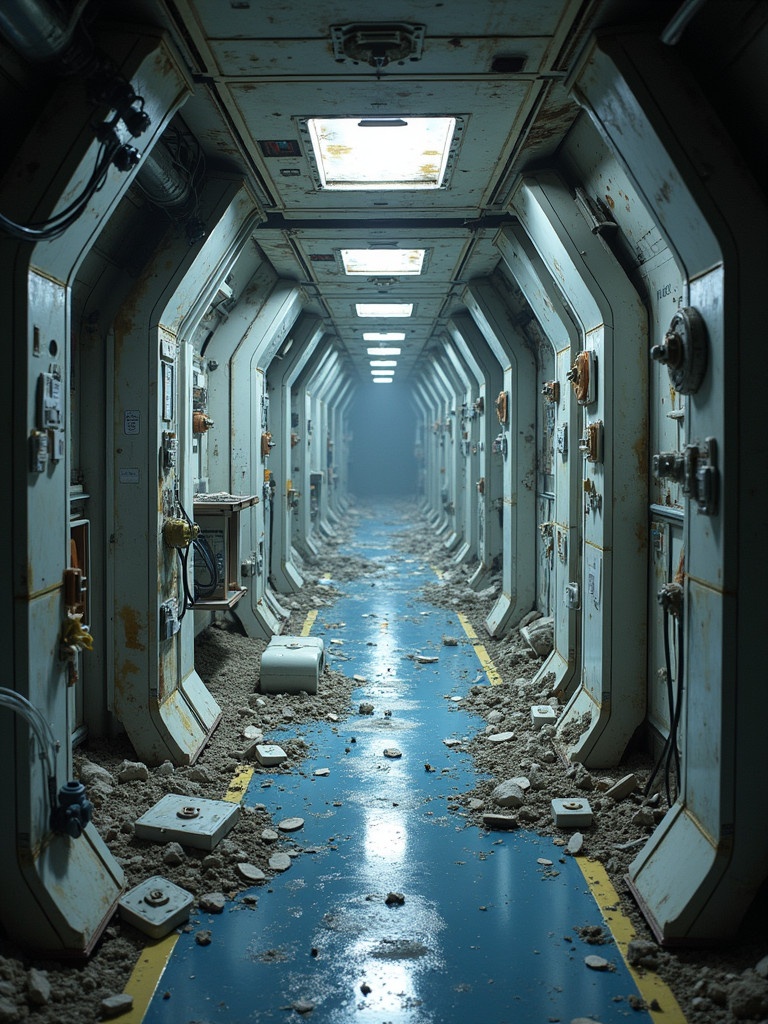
x: 395, y: 899
x: 290, y: 824
x: 575, y: 844
x: 392, y: 752
x: 111, y: 1006
x: 508, y: 794
x: 503, y: 822
x: 212, y: 902
x: 174, y: 854
x: 366, y: 708
x: 132, y: 771
x: 621, y: 789
x: 642, y: 953
x: 322, y: 772
x: 203, y: 937
x: 38, y: 987
x: 501, y: 737
x: 303, y: 1006
x: 250, y: 873
x: 279, y: 862
x: 597, y: 963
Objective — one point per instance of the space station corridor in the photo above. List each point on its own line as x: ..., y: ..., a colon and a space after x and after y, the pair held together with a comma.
x: 444, y: 322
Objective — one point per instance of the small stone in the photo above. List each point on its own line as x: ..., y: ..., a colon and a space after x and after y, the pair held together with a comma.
x: 423, y: 659
x: 38, y: 987
x: 522, y: 782
x: 621, y: 789
x: 165, y: 769
x: 198, y: 775
x: 251, y: 732
x: 495, y: 716
x: 501, y: 737
x: 322, y: 772
x: 544, y: 861
x: 111, y: 1006
x: 279, y: 862
x: 395, y: 899
x: 450, y: 641
x: 203, y: 937
x: 475, y: 804
x: 212, y: 860
x: 291, y: 824
x: 503, y: 822
x: 366, y: 708
x: 8, y: 1012
x: 132, y: 771
x: 365, y: 988
x: 644, y: 817
x: 596, y: 963
x: 90, y: 773
x: 269, y: 835
x: 331, y: 717
x: 643, y: 953
x: 303, y: 1006
x: 508, y: 794
x: 250, y: 873
x: 452, y: 743
x: 212, y: 902
x: 575, y: 843
x: 392, y: 752
x: 360, y: 679
x: 174, y: 854
x: 748, y: 997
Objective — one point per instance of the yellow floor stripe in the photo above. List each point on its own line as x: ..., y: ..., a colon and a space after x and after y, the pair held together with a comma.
x: 309, y: 623
x: 650, y: 986
x: 239, y: 784
x: 482, y: 655
x: 146, y: 977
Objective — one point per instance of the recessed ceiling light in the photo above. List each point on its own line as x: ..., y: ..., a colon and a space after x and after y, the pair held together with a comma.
x: 383, y: 351
x: 382, y: 373
x: 383, y: 362
x: 382, y: 380
x: 381, y: 153
x: 384, y: 308
x: 383, y: 335
x: 383, y: 261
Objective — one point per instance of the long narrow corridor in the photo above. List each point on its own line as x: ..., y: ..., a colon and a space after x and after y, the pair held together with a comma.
x: 395, y: 907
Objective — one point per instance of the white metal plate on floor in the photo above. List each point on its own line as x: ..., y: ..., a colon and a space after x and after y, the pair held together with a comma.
x: 156, y: 906
x: 270, y: 754
x: 189, y: 820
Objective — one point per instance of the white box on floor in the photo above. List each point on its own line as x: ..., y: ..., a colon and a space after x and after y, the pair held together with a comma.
x: 291, y: 664
x: 573, y: 812
x: 156, y: 906
x: 189, y: 820
x: 542, y: 714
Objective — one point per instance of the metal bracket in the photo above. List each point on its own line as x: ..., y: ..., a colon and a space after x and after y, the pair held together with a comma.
x: 696, y: 469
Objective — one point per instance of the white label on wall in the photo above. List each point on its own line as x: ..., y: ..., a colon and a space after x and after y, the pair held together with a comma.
x: 594, y: 574
x: 130, y: 476
x: 132, y: 421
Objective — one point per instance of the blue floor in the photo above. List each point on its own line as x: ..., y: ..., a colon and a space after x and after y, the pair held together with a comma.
x: 485, y: 932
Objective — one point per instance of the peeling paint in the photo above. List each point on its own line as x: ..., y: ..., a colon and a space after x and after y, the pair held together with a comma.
x: 132, y: 626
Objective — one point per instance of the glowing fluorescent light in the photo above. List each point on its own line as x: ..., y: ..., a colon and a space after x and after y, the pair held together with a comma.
x: 382, y: 373
x: 383, y: 362
x: 382, y: 380
x: 384, y: 308
x: 383, y: 335
x: 381, y: 153
x: 382, y: 261
x: 383, y: 351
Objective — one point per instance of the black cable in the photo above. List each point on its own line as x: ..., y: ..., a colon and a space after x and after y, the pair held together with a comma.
x: 663, y: 758
x: 203, y: 548
x: 673, y: 751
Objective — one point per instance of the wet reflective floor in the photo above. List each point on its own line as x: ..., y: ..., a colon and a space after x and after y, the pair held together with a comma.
x: 396, y: 909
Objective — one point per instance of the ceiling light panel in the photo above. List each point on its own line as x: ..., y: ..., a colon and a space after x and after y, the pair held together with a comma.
x: 400, y: 262
x: 383, y: 351
x: 383, y: 336
x: 383, y: 362
x: 382, y: 309
x: 381, y: 153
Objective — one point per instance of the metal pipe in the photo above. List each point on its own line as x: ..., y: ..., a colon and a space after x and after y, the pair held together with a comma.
x: 674, y: 30
x: 40, y: 30
x: 160, y: 180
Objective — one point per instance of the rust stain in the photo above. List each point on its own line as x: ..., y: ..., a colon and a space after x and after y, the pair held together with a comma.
x: 132, y: 625
x: 610, y: 200
x: 640, y: 449
x: 337, y: 150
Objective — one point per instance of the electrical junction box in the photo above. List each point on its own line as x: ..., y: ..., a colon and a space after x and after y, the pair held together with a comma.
x: 542, y: 714
x: 291, y: 664
x: 572, y: 812
x: 189, y: 820
x: 156, y: 906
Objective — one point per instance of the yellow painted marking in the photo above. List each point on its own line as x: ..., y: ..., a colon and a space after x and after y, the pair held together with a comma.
x: 384, y: 625
x: 309, y: 623
x: 482, y: 655
x: 145, y: 977
x: 649, y: 985
x: 436, y: 571
x: 239, y: 784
